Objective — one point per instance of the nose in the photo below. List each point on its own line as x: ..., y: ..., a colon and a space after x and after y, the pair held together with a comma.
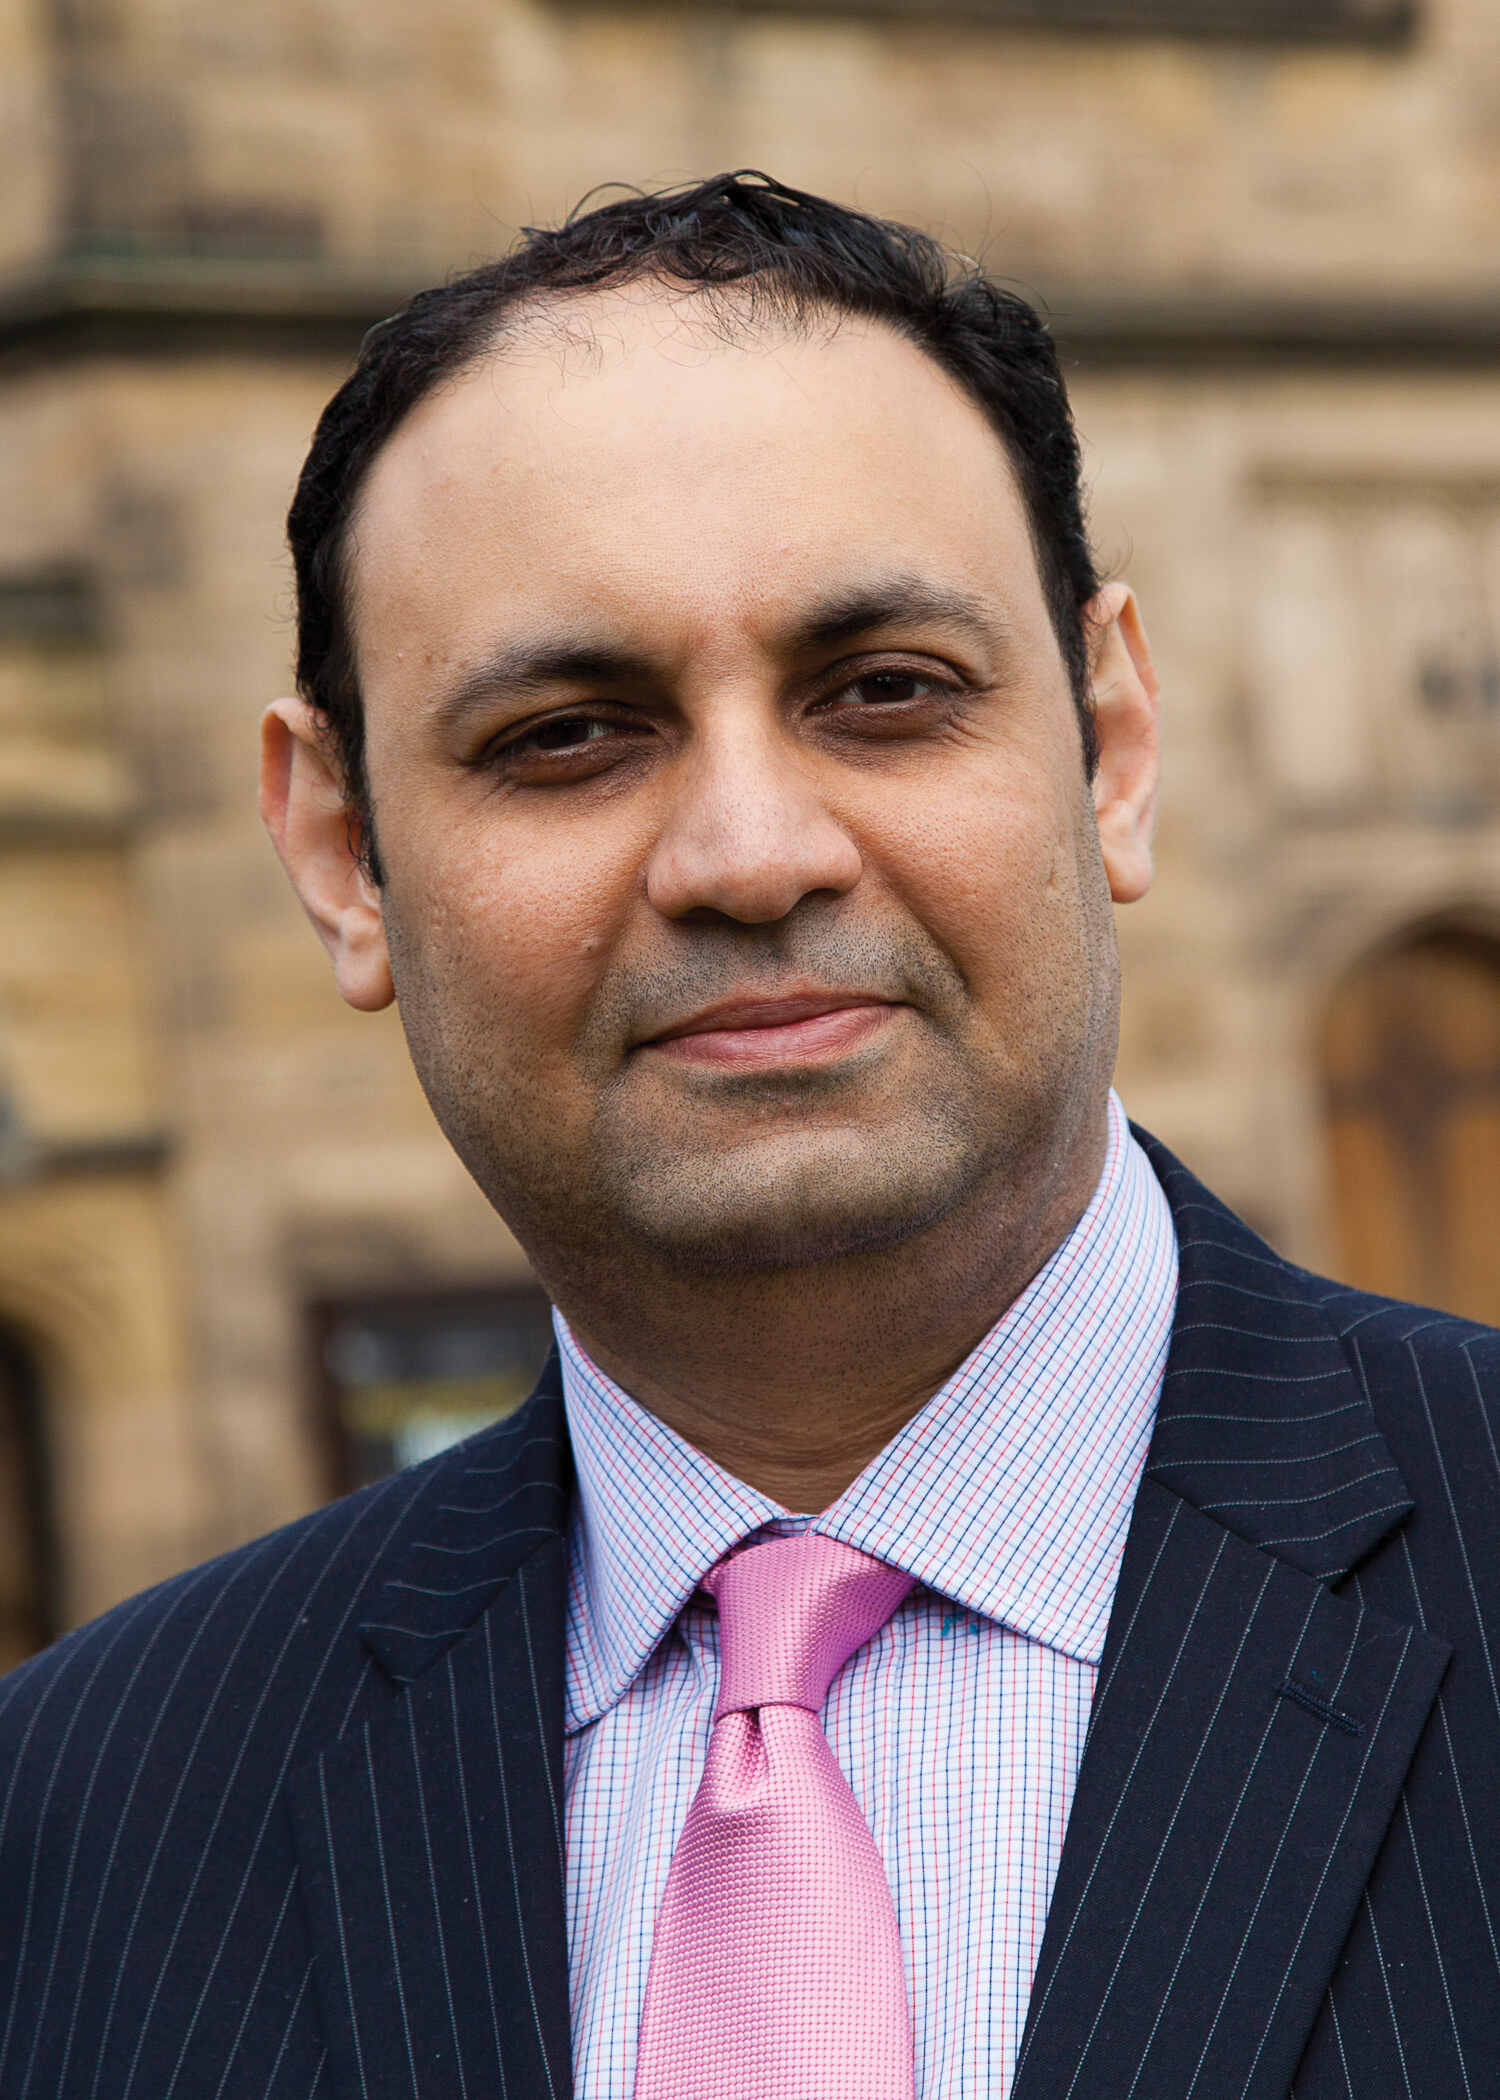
x: 747, y: 834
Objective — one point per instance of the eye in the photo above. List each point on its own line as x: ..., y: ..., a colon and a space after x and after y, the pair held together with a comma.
x: 906, y: 692
x: 885, y: 687
x: 561, y: 733
x: 572, y: 745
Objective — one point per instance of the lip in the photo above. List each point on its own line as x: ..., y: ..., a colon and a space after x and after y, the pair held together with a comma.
x: 802, y: 1028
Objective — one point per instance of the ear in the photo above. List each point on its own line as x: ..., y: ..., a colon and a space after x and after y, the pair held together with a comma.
x: 1127, y: 717
x: 302, y: 806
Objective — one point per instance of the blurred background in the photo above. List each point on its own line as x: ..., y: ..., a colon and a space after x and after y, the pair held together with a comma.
x: 239, y: 1268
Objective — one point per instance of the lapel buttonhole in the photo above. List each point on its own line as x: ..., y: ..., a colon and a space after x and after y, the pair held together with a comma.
x: 1301, y: 1696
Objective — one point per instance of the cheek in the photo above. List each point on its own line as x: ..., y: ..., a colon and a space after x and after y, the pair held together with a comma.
x: 991, y: 874
x: 516, y: 938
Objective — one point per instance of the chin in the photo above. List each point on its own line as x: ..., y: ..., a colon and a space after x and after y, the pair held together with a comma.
x: 757, y: 1212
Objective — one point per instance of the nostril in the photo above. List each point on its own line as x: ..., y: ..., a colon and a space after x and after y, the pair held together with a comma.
x: 753, y: 873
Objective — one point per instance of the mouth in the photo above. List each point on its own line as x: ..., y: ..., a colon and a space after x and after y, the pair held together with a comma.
x: 742, y: 1034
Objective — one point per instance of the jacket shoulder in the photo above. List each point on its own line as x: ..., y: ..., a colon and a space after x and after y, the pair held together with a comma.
x: 230, y: 1663
x: 1369, y: 1389
x: 260, y: 1616
x: 1404, y: 1352
x: 1432, y: 1381
x: 143, y: 1750
x: 143, y: 1763
x: 266, y: 1637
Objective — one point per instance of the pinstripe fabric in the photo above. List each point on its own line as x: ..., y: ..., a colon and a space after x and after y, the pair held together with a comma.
x: 1254, y: 1727
x: 961, y: 1724
x: 289, y: 1827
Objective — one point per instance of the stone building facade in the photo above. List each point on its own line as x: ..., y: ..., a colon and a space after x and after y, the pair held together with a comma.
x: 238, y: 1264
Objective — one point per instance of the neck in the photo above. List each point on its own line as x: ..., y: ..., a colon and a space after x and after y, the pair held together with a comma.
x: 792, y: 1381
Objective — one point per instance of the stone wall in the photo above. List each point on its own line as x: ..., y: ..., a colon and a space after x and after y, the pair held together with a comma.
x: 1278, y: 264
x: 416, y: 138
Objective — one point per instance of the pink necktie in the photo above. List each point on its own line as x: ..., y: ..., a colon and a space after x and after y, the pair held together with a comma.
x: 776, y: 1968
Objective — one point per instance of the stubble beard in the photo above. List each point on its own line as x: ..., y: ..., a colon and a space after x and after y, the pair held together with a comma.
x: 789, y: 1195
x: 665, y: 1196
x: 790, y: 1180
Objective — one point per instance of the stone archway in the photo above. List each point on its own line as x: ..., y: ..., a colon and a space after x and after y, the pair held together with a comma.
x: 1411, y: 1078
x: 28, y: 1570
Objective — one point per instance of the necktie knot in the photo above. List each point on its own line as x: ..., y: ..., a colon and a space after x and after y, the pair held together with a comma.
x: 791, y: 1613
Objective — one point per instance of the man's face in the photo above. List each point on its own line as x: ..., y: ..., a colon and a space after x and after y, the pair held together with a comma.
x: 743, y: 895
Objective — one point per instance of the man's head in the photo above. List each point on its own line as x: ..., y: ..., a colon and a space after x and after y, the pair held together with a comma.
x: 784, y: 257
x: 697, y: 611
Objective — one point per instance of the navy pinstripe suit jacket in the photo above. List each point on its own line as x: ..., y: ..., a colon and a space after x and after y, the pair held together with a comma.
x: 289, y: 1825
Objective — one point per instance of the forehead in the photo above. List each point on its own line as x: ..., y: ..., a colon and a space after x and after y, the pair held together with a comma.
x: 625, y: 453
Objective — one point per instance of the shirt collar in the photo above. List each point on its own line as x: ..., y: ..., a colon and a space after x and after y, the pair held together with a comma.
x: 1009, y: 1492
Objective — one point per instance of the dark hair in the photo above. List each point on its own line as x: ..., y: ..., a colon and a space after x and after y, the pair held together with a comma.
x: 789, y: 255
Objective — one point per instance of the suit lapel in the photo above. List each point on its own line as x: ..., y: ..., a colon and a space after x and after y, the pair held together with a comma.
x: 431, y: 1838
x: 1251, y: 1728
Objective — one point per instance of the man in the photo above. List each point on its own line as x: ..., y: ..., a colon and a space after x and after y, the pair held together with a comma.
x: 959, y: 1615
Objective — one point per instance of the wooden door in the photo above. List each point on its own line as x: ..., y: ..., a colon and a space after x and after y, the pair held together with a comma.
x: 1411, y: 1060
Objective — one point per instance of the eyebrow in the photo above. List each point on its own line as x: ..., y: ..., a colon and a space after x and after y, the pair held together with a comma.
x: 894, y: 601
x: 522, y: 668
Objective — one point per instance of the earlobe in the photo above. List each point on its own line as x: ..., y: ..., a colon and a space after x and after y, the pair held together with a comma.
x: 1127, y: 719
x: 303, y: 808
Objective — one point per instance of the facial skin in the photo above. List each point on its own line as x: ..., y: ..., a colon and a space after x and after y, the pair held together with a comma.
x: 745, y: 901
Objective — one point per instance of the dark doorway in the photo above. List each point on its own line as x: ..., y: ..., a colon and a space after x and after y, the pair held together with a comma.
x: 28, y: 1563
